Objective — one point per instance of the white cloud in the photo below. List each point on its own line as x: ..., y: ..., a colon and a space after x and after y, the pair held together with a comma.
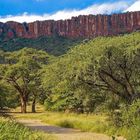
x: 134, y: 7
x: 106, y: 8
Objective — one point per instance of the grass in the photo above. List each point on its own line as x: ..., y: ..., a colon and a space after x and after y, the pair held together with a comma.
x: 11, y: 130
x: 98, y: 123
x: 87, y: 123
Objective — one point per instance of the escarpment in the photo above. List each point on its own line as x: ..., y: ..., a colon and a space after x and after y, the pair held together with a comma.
x: 89, y: 26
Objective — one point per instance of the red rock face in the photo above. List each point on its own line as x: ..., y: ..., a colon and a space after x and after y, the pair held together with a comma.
x: 77, y: 27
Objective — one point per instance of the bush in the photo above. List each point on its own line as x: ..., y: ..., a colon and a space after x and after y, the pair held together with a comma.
x: 127, y: 120
x: 10, y: 130
x: 131, y: 114
x: 66, y: 124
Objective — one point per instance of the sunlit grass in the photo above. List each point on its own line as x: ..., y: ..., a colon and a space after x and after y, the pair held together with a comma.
x: 97, y: 123
x: 87, y: 123
x: 11, y: 130
x: 84, y: 122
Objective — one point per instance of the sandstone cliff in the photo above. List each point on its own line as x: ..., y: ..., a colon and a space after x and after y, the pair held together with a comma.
x: 81, y: 26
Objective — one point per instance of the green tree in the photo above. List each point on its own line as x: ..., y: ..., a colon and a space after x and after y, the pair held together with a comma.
x: 8, y: 98
x: 20, y: 70
x: 95, y: 72
x: 117, y: 72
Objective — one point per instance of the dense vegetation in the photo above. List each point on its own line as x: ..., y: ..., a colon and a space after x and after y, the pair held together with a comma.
x: 101, y: 75
x: 53, y: 45
x: 104, y: 70
x: 10, y: 130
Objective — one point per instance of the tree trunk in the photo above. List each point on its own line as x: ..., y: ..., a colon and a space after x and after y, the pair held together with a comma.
x: 33, y: 105
x: 23, y: 105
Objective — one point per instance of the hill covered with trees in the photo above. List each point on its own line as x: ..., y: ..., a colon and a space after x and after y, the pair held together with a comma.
x: 100, y: 75
x: 54, y: 45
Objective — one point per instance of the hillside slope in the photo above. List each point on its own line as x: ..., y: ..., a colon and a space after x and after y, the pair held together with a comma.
x: 53, y: 45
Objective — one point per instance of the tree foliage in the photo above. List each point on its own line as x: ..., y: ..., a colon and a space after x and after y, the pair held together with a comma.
x: 94, y: 72
x: 21, y: 69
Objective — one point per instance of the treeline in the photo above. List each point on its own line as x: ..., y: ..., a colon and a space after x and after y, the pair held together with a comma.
x: 102, y: 74
x: 54, y: 45
x: 20, y: 77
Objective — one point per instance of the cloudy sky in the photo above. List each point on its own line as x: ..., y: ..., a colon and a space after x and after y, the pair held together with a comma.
x: 32, y: 10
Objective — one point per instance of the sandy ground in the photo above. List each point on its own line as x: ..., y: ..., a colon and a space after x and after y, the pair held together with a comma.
x: 64, y: 133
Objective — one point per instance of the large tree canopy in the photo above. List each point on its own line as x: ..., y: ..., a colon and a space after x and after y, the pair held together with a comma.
x: 93, y: 72
x: 89, y: 75
x: 21, y: 69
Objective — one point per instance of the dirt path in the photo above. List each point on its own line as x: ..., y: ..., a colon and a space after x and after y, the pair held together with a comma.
x: 64, y: 133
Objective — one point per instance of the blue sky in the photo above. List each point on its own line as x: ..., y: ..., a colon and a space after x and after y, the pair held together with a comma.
x: 58, y: 9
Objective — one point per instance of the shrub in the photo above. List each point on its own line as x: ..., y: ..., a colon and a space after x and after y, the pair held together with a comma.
x: 11, y: 130
x: 127, y: 120
x: 66, y: 124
